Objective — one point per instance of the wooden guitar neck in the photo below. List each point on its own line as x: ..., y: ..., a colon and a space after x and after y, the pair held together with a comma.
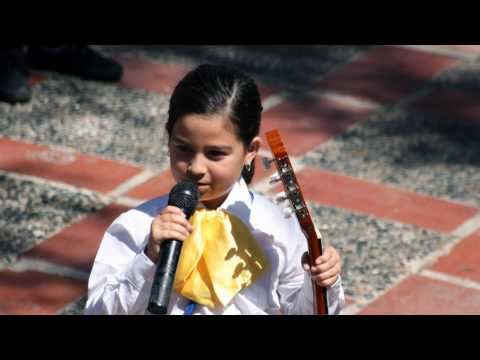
x: 294, y: 194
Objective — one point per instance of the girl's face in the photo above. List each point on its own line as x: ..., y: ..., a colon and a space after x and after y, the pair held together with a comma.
x: 204, y: 148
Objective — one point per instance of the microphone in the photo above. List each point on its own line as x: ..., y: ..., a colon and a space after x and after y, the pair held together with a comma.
x: 183, y: 195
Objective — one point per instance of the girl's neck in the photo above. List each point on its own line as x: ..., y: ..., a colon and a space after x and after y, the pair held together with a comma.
x: 213, y: 204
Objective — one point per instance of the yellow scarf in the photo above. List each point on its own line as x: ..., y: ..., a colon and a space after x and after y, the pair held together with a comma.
x: 218, y: 259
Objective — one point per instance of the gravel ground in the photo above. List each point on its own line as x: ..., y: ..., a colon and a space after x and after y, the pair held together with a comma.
x: 375, y: 253
x: 75, y: 308
x: 291, y: 67
x: 31, y: 212
x: 411, y: 150
x: 108, y: 120
x: 465, y: 76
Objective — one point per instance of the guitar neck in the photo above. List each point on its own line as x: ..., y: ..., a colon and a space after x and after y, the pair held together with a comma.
x: 294, y: 194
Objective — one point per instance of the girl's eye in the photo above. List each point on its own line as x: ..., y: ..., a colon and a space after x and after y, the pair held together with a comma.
x: 216, y: 154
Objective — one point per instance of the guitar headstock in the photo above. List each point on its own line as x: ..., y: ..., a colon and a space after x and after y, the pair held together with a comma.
x: 286, y: 175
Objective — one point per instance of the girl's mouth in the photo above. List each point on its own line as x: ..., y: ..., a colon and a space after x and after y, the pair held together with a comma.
x: 203, y: 187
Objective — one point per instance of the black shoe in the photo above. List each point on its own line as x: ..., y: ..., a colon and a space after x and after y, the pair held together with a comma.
x: 79, y: 61
x: 14, y: 76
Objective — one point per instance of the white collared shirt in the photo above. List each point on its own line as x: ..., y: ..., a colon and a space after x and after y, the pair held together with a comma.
x: 122, y: 275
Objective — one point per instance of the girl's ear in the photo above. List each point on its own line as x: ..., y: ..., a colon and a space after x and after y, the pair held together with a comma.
x: 252, y: 150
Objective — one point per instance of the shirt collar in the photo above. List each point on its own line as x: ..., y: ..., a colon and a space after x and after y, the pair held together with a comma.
x: 239, y: 201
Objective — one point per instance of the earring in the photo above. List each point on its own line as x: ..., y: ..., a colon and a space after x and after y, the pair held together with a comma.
x: 248, y: 167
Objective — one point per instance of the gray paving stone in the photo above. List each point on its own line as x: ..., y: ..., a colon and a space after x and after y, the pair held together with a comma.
x: 108, y: 120
x: 30, y: 212
x: 75, y: 308
x: 375, y: 253
x: 410, y: 149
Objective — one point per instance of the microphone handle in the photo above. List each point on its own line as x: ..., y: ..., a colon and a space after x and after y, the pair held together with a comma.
x: 164, y: 276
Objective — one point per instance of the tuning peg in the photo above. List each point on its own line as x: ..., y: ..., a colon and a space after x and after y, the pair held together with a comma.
x: 274, y: 178
x: 292, y: 189
x: 281, y: 197
x: 287, y: 212
x: 267, y: 163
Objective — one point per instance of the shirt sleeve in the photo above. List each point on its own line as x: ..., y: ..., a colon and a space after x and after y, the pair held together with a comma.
x: 295, y: 286
x: 122, y: 275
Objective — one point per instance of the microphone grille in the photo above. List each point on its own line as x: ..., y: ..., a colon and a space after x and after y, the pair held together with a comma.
x: 184, y: 195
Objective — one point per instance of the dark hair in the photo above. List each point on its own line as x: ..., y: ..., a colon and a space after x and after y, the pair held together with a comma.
x: 216, y: 89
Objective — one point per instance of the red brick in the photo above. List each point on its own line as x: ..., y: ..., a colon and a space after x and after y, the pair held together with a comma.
x: 463, y: 260
x: 308, y: 122
x: 266, y: 90
x: 35, y: 79
x: 382, y: 201
x: 157, y: 77
x: 72, y: 168
x: 385, y: 74
x: 454, y: 104
x: 34, y: 293
x: 418, y: 295
x: 260, y: 172
x: 349, y: 301
x: 156, y: 186
x: 162, y: 78
x: 76, y: 245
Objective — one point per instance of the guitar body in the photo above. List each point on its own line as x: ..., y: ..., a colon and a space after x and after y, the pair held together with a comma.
x: 295, y: 197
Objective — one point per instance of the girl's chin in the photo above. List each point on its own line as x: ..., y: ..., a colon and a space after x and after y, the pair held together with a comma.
x: 210, y: 202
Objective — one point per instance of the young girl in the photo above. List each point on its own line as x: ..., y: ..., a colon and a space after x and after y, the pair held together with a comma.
x: 213, y: 126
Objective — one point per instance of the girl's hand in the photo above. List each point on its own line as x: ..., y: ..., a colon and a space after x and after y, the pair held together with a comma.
x: 171, y: 223
x: 327, y: 267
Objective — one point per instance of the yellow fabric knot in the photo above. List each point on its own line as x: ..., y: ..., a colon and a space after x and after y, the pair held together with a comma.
x: 218, y: 259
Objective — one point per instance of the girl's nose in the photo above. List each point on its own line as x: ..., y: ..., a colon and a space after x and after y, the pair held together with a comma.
x: 196, y: 168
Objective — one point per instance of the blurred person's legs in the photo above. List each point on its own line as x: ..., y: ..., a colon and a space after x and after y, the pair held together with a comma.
x: 14, y: 75
x: 77, y: 60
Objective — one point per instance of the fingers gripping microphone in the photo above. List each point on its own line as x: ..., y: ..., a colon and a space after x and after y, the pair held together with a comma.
x: 184, y: 195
